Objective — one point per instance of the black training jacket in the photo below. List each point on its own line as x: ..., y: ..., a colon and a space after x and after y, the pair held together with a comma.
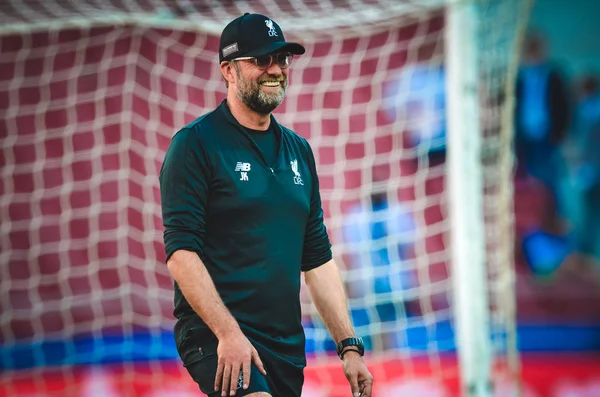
x: 256, y: 226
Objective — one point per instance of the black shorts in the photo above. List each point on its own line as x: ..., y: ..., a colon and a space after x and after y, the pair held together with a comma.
x: 198, y: 351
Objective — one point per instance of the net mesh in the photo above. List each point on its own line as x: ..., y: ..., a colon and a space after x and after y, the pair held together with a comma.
x: 91, y: 93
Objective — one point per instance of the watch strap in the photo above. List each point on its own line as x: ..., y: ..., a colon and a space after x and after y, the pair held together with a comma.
x: 349, y: 350
x: 355, y: 342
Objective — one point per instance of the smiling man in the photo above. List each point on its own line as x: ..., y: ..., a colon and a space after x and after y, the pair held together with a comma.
x: 243, y: 220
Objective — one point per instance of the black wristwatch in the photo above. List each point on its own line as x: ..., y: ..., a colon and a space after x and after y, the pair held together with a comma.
x: 357, y: 343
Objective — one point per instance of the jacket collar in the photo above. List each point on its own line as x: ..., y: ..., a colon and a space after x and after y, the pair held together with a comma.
x: 226, y: 112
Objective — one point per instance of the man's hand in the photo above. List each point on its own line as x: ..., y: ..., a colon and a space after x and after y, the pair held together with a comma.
x: 235, y: 353
x: 359, y: 377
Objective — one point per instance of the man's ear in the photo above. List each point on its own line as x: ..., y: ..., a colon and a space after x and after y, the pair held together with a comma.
x: 228, y: 71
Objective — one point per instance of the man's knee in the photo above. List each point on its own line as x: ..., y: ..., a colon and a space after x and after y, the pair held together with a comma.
x: 259, y: 394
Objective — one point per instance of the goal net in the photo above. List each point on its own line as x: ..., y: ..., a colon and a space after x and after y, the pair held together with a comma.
x: 91, y: 93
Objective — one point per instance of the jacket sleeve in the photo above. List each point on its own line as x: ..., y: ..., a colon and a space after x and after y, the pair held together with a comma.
x: 317, y: 247
x: 184, y: 181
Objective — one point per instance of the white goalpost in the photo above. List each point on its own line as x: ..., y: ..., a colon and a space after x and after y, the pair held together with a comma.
x: 475, y: 59
x: 408, y: 108
x: 471, y: 304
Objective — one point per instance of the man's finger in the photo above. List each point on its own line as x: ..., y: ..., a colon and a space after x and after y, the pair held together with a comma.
x: 219, y: 375
x: 226, y: 380
x: 235, y: 377
x: 367, y: 387
x: 246, y: 373
x: 353, y: 379
x: 256, y: 360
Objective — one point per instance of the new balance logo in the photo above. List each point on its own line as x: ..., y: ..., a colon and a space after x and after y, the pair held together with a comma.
x: 243, y: 169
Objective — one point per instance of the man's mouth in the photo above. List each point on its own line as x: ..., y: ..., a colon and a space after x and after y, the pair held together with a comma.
x: 270, y: 83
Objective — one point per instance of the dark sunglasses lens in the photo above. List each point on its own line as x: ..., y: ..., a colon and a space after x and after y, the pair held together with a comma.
x: 284, y: 60
x: 263, y: 61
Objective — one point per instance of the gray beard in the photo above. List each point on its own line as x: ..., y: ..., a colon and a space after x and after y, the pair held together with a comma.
x: 257, y: 101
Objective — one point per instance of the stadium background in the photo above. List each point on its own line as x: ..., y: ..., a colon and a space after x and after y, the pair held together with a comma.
x: 93, y: 168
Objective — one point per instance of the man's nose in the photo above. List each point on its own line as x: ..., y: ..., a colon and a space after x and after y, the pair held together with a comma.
x: 274, y: 69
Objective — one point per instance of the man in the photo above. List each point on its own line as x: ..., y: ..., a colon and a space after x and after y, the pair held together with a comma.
x: 587, y: 168
x: 243, y: 218
x: 542, y: 116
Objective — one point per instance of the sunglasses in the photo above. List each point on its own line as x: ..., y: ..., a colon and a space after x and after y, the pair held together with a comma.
x: 282, y: 59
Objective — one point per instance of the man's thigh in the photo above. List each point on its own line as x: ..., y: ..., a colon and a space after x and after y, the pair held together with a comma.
x: 284, y: 378
x: 203, y: 373
x: 203, y: 370
x: 198, y: 352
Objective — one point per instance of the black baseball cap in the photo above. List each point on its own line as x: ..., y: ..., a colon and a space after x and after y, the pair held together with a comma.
x: 253, y: 35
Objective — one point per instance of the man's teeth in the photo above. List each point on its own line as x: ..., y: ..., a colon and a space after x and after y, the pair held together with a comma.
x: 270, y: 83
